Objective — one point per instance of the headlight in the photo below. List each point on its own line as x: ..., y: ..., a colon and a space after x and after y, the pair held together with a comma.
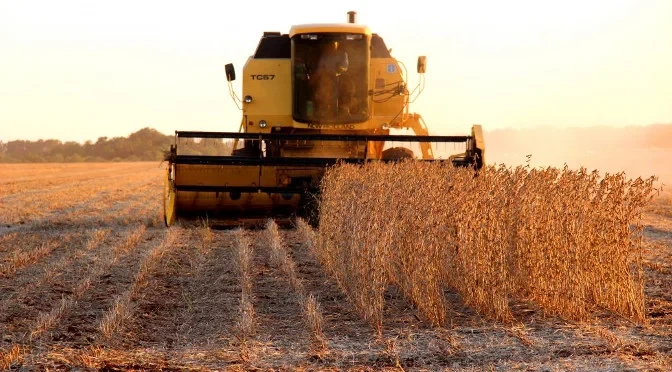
x: 262, y: 123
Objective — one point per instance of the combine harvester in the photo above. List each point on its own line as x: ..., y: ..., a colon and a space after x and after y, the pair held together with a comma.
x: 322, y: 94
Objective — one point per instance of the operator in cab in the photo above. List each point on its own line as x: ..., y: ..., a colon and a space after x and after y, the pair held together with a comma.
x: 334, y: 87
x: 330, y: 78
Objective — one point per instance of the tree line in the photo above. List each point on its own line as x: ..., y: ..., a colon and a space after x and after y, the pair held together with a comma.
x: 149, y: 144
x: 146, y: 144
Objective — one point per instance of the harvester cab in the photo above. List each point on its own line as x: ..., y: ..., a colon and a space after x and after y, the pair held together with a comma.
x: 312, y: 97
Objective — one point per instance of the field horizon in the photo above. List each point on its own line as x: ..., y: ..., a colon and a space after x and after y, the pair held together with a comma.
x: 637, y: 150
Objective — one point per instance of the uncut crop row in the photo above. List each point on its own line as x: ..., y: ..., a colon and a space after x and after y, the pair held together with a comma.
x: 565, y: 241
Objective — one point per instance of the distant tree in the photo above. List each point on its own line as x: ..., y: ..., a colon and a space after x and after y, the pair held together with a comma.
x: 75, y: 158
x: 143, y: 145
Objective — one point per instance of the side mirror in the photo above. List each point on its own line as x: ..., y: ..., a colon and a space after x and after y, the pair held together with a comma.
x: 422, y: 64
x: 230, y: 72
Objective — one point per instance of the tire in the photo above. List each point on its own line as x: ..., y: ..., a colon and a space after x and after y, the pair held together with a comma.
x: 246, y: 152
x: 398, y: 153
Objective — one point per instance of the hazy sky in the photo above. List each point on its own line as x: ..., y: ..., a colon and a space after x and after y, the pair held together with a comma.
x: 78, y: 70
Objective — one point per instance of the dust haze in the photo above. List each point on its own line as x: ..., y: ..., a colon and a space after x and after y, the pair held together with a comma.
x: 639, y: 151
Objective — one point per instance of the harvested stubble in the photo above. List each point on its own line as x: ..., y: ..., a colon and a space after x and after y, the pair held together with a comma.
x: 114, y: 318
x: 14, y: 354
x: 281, y: 258
x: 33, y: 251
x: 308, y: 234
x: 567, y: 240
x: 243, y: 260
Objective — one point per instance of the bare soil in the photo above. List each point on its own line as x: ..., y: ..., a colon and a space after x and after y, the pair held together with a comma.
x: 90, y: 279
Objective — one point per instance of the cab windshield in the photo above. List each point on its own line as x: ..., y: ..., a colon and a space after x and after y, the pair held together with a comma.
x: 330, y: 79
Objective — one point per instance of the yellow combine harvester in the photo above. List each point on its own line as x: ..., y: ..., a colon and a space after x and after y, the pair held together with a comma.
x: 321, y: 94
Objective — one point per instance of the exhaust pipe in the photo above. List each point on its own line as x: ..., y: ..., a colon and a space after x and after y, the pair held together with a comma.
x: 351, y: 16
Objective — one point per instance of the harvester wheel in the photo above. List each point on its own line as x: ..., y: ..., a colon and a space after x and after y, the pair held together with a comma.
x: 396, y: 153
x: 168, y: 200
x: 248, y: 152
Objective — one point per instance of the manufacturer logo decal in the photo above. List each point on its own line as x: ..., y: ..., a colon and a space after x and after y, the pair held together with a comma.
x: 262, y: 77
x: 331, y: 126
